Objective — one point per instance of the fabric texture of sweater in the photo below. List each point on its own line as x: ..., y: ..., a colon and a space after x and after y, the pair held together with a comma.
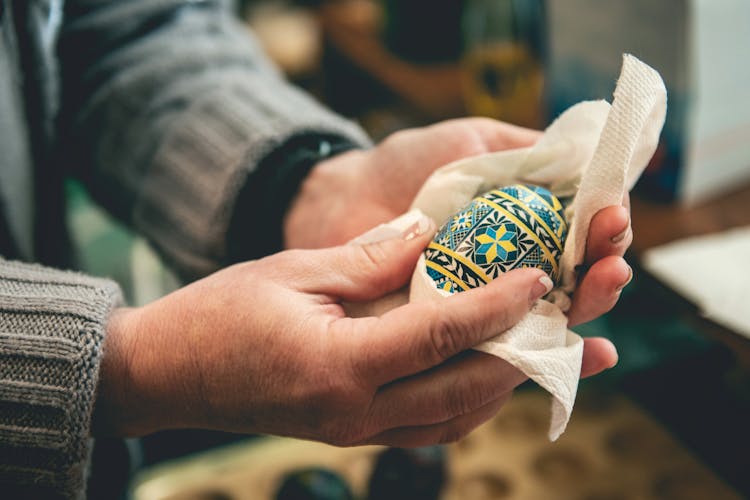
x: 164, y: 109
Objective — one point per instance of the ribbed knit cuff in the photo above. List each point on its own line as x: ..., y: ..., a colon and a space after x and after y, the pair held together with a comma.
x: 188, y: 197
x: 270, y: 190
x: 52, y: 326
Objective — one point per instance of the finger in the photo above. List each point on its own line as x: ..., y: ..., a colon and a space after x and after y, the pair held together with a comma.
x: 599, y: 289
x: 499, y: 136
x: 445, y: 432
x: 609, y: 234
x: 418, y: 336
x: 458, y: 387
x: 362, y: 272
x: 599, y: 354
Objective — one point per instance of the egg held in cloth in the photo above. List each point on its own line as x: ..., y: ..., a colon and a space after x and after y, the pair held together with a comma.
x: 504, y: 229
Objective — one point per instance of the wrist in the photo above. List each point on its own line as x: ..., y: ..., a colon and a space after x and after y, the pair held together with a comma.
x: 115, y: 407
x: 134, y: 395
x: 256, y: 228
x: 322, y: 200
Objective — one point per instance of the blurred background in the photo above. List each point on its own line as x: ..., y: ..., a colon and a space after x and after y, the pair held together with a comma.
x: 670, y: 420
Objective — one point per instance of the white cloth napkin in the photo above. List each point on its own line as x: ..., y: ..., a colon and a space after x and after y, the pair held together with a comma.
x: 593, y: 152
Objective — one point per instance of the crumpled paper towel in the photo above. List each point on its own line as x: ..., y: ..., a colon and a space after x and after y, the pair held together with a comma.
x: 593, y: 152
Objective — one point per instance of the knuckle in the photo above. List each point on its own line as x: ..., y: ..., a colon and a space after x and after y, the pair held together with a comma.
x: 283, y: 258
x: 339, y: 412
x: 399, y: 135
x: 458, y: 400
x: 499, y: 310
x: 444, y: 334
x: 292, y: 256
x: 276, y: 265
x: 244, y: 268
x: 344, y: 430
x: 362, y: 262
x: 482, y: 121
x: 505, y: 316
x: 372, y: 257
x: 342, y: 434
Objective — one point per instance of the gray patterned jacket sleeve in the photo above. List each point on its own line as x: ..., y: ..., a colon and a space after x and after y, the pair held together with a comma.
x: 51, y: 332
x: 169, y: 104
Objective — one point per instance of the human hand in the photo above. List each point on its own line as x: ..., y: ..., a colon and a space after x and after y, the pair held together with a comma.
x: 353, y: 192
x: 265, y: 347
x: 604, y: 272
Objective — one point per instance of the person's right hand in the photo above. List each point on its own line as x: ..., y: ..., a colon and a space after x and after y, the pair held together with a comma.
x: 265, y: 347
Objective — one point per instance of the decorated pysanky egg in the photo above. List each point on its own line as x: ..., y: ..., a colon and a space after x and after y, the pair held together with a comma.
x: 516, y: 226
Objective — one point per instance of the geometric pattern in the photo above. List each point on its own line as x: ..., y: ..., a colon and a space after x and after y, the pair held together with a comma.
x: 515, y: 226
x: 496, y: 243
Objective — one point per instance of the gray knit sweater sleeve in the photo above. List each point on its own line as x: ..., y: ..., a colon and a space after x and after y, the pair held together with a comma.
x: 169, y: 105
x: 51, y: 331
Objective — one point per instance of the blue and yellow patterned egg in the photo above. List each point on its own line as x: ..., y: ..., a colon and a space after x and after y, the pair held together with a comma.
x: 508, y: 228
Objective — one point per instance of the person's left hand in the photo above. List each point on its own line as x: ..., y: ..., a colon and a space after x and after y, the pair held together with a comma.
x: 345, y: 196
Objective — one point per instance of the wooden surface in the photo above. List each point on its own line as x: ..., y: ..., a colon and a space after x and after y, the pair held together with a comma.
x: 611, y: 450
x: 655, y: 224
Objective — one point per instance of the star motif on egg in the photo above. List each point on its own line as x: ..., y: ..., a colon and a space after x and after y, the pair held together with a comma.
x: 510, y: 227
x: 496, y: 243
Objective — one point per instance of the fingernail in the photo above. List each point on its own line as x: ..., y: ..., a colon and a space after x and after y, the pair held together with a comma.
x: 621, y: 236
x: 627, y: 281
x: 616, y: 359
x: 541, y: 288
x: 422, y: 226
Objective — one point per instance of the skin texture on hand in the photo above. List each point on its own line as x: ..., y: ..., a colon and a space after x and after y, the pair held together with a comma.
x: 351, y: 193
x: 265, y: 347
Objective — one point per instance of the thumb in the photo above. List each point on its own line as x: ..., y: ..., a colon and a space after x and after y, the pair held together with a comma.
x: 358, y: 272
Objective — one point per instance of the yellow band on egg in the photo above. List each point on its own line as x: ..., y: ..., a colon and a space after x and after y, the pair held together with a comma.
x: 462, y: 259
x: 447, y: 273
x: 533, y: 214
x: 540, y: 197
x: 531, y: 233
